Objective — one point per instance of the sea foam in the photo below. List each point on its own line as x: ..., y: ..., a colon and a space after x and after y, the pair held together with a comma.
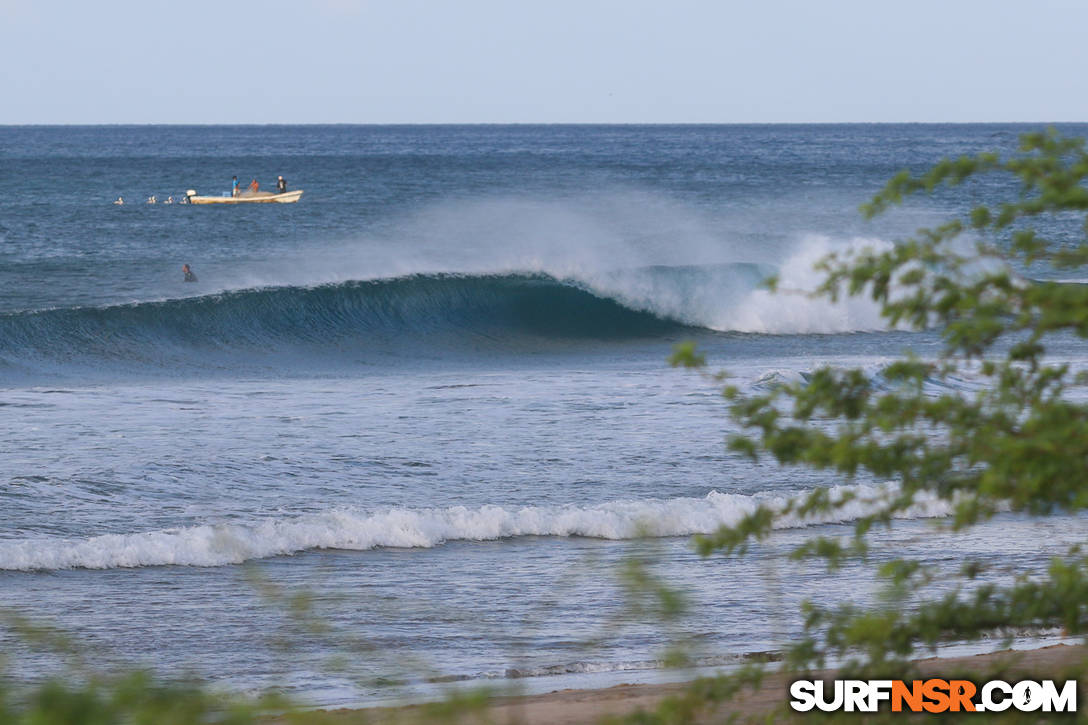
x: 233, y: 543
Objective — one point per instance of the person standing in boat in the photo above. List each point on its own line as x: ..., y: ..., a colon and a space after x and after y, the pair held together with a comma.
x: 254, y: 187
x: 234, y: 186
x: 188, y: 273
x: 281, y: 185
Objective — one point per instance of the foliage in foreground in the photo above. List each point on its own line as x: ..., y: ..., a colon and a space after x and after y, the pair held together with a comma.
x: 1019, y: 444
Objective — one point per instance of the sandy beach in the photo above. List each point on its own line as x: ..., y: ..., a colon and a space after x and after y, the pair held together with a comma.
x: 580, y: 707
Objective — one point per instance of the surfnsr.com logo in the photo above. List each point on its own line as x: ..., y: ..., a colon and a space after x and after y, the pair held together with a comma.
x: 933, y: 695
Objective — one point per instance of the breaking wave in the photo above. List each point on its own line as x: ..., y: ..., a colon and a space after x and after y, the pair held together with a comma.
x: 448, y: 311
x: 234, y: 543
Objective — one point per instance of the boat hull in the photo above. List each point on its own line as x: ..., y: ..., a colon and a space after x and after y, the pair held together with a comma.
x: 261, y: 197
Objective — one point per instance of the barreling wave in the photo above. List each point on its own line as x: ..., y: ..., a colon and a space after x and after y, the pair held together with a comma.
x: 234, y: 543
x: 446, y: 311
x: 471, y: 309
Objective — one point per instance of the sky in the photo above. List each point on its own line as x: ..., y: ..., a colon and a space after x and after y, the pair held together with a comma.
x: 544, y: 61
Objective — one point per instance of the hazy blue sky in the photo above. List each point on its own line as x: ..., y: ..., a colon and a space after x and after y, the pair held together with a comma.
x: 429, y: 61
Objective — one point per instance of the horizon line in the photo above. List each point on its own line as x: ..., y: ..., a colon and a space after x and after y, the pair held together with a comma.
x: 533, y: 123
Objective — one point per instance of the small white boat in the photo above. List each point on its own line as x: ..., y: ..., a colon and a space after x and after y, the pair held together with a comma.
x: 246, y: 197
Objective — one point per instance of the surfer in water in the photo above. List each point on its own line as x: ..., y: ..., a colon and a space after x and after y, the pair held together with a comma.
x: 189, y: 276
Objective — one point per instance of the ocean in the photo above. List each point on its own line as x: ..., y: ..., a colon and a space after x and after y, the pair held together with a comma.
x: 405, y: 432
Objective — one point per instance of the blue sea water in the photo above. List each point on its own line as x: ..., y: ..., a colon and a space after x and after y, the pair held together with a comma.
x: 432, y: 395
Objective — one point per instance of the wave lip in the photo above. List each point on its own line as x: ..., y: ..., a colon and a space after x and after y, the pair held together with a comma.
x: 234, y: 543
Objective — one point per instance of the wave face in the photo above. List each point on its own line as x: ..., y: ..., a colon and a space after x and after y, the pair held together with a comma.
x: 234, y: 543
x: 501, y: 306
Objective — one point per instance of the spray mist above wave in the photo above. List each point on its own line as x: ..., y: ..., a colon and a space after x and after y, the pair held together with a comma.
x: 672, y: 267
x: 659, y: 260
x: 618, y: 244
x: 234, y: 543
